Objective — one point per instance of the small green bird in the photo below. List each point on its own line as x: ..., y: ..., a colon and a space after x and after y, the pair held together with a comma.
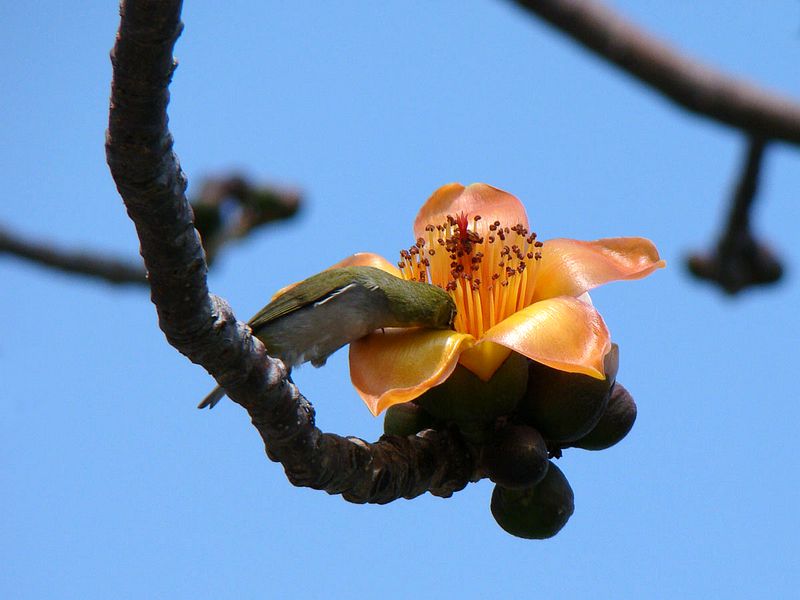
x: 316, y: 317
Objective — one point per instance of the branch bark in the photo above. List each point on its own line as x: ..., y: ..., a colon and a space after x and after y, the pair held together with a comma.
x: 82, y: 262
x: 202, y: 326
x: 693, y: 86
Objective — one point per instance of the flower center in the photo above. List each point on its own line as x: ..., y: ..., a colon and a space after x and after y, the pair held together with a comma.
x: 490, y: 271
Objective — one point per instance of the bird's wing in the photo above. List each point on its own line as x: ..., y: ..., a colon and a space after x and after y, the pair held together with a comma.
x: 335, y: 293
x: 304, y: 294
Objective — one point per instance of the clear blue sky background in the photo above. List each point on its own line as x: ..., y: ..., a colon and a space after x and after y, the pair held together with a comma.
x: 112, y: 485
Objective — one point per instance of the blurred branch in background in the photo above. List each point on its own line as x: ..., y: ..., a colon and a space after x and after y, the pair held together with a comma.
x: 227, y: 208
x: 81, y: 262
x: 739, y: 260
x: 681, y: 79
x: 202, y: 326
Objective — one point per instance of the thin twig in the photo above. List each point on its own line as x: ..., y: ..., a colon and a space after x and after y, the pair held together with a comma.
x: 201, y: 326
x: 745, y: 190
x: 256, y: 206
x: 740, y: 260
x: 689, y: 84
x: 83, y: 262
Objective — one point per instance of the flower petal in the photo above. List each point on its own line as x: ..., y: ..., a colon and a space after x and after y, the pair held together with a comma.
x: 563, y: 333
x: 489, y: 202
x: 368, y: 259
x: 572, y: 267
x: 398, y: 365
x: 359, y: 259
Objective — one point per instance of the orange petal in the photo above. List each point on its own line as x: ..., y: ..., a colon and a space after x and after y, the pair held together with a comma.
x: 368, y: 259
x: 399, y: 365
x: 489, y: 202
x: 571, y: 267
x: 563, y: 333
x: 360, y: 259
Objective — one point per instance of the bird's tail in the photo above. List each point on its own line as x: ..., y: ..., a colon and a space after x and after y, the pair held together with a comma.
x: 215, y: 396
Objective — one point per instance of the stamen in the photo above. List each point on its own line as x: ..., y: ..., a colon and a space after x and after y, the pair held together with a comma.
x: 501, y: 305
x: 513, y: 295
x: 478, y: 311
x: 492, y: 315
x: 522, y: 285
x: 489, y: 278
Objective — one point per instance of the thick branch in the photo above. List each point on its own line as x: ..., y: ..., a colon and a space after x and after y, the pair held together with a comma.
x: 201, y: 326
x: 83, y: 262
x: 697, y: 88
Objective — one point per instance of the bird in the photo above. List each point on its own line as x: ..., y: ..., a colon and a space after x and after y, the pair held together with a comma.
x: 310, y: 320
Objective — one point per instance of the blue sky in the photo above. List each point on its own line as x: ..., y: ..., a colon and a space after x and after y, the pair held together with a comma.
x: 115, y: 486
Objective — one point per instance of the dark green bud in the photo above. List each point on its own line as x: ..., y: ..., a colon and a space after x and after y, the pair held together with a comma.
x: 566, y: 406
x: 535, y: 513
x: 464, y: 397
x: 476, y: 432
x: 516, y: 457
x: 407, y: 419
x: 616, y: 422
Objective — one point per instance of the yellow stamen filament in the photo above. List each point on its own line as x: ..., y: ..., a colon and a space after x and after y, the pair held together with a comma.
x: 493, y: 305
x: 523, y: 284
x: 476, y: 299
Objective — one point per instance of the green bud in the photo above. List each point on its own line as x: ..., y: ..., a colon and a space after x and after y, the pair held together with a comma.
x: 566, y: 406
x: 464, y: 397
x: 476, y: 432
x: 516, y: 457
x: 616, y: 422
x: 407, y: 419
x: 535, y: 513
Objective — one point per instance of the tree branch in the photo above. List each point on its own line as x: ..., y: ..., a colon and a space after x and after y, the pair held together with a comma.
x: 202, y: 326
x: 740, y: 260
x: 82, y: 262
x: 256, y: 206
x: 695, y: 87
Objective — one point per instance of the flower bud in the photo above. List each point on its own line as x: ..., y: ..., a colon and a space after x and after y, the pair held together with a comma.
x: 615, y: 423
x: 516, y: 457
x: 406, y: 419
x: 566, y: 406
x: 464, y: 397
x: 538, y: 512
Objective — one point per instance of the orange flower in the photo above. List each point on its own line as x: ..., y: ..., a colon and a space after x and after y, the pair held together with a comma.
x: 513, y: 293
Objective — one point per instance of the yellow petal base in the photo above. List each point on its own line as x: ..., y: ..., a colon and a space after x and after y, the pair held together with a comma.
x: 484, y: 359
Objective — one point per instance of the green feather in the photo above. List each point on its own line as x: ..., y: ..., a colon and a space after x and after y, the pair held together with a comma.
x: 313, y: 289
x: 409, y: 302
